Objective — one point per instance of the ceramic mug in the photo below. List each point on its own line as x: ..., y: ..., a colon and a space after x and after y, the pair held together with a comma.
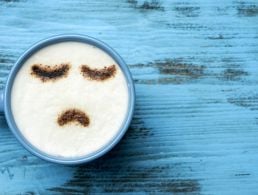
x: 5, y: 98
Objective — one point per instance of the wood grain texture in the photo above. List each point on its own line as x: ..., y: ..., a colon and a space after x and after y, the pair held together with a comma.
x: 195, y: 67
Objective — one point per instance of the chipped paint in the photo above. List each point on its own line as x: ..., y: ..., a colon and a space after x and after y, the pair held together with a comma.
x: 247, y: 10
x: 9, y: 1
x: 128, y: 179
x: 172, y: 71
x: 233, y: 74
x: 218, y: 37
x: 6, y: 59
x: 147, y: 5
x: 187, y: 11
x: 248, y: 101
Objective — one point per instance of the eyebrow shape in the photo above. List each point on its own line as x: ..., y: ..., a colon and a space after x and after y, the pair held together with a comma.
x: 98, y: 74
x: 46, y: 73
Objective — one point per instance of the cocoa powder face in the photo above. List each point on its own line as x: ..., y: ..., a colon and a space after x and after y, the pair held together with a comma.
x: 69, y: 99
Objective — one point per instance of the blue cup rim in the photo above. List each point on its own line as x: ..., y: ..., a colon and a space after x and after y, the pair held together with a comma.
x: 58, y: 39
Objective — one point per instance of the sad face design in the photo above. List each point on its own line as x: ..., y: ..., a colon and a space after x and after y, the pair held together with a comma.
x: 48, y: 73
x: 69, y: 99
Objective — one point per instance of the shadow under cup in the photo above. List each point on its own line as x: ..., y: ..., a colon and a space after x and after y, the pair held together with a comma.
x: 5, y: 98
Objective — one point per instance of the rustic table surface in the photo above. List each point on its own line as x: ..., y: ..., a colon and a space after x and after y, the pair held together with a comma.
x: 195, y: 65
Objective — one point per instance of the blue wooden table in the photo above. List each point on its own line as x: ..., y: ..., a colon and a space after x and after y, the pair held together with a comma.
x: 195, y: 65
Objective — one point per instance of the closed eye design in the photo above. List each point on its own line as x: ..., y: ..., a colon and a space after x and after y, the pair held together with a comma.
x: 98, y: 74
x: 47, y: 73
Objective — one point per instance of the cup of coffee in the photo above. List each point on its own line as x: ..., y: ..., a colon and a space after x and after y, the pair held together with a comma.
x: 69, y: 99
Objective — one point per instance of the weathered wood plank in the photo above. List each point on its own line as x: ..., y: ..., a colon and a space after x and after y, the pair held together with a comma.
x: 195, y: 67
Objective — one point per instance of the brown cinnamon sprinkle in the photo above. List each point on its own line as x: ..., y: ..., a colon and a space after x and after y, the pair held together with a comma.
x: 73, y: 115
x: 46, y: 73
x: 98, y: 74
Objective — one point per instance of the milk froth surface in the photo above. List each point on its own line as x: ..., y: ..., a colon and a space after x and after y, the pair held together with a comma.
x: 36, y: 105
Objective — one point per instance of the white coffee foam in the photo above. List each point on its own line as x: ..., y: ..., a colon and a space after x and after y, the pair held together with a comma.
x: 36, y: 104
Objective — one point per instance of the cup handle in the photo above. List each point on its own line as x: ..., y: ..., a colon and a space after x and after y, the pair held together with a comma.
x: 1, y: 101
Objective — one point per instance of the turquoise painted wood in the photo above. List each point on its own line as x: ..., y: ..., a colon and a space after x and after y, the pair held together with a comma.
x: 195, y: 65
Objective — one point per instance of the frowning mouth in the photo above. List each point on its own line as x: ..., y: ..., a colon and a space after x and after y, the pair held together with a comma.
x: 73, y: 116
